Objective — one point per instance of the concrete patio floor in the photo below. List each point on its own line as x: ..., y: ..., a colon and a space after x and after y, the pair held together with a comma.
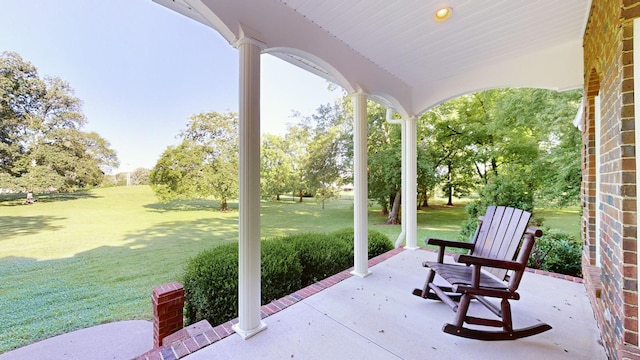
x: 377, y: 317
x: 116, y: 340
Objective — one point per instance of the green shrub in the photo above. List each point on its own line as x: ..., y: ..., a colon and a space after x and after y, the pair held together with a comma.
x: 557, y: 252
x: 379, y: 243
x: 321, y: 256
x: 288, y: 264
x: 211, y: 285
x: 211, y: 280
x: 281, y: 270
x: 345, y: 235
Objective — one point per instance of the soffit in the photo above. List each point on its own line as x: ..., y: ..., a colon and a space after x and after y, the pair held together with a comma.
x: 395, y: 49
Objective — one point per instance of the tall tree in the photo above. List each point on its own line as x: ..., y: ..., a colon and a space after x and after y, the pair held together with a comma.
x: 337, y: 118
x: 427, y: 175
x: 21, y: 90
x: 558, y: 169
x: 323, y: 165
x: 329, y: 154
x: 276, y: 175
x: 384, y: 162
x: 444, y: 142
x: 139, y: 176
x: 320, y: 150
x: 205, y: 164
x: 298, y: 137
x: 518, y: 139
x: 41, y: 144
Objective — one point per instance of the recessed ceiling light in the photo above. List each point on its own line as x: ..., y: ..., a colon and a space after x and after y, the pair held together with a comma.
x: 442, y: 13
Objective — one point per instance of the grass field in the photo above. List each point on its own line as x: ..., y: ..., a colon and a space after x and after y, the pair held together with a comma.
x: 75, y: 260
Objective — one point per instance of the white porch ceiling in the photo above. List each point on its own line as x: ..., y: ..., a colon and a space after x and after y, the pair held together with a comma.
x: 399, y: 55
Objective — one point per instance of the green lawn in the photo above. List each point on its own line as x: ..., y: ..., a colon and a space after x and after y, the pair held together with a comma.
x: 75, y: 260
x: 563, y: 220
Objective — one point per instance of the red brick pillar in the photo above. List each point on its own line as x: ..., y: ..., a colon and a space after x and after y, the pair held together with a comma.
x: 168, y: 302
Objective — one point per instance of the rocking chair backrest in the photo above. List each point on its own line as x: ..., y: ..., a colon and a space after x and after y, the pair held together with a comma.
x: 499, y: 234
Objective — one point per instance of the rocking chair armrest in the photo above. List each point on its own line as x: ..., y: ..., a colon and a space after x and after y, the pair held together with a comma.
x: 449, y: 243
x: 483, y: 261
x: 442, y: 244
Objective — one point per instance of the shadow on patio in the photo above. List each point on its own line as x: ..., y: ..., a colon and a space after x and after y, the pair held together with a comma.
x: 378, y: 318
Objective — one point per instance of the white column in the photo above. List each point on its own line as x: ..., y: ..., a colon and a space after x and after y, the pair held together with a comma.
x: 360, y: 200
x: 249, y: 320
x: 410, y: 185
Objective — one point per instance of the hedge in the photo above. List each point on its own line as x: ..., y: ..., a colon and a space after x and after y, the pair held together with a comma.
x: 288, y: 263
x: 320, y: 255
x: 211, y: 285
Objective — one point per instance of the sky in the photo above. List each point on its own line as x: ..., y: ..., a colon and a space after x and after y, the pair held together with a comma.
x: 141, y: 70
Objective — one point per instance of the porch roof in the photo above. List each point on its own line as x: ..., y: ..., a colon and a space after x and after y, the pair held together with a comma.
x: 395, y: 51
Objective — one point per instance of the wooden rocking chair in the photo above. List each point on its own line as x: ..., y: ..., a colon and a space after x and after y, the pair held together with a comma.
x: 488, y: 271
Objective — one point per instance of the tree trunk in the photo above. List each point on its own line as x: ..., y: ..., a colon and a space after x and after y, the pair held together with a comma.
x: 300, y: 194
x: 278, y: 197
x: 425, y: 199
x: 322, y: 203
x: 223, y: 205
x: 449, y: 185
x: 393, y: 218
x: 385, y: 211
x: 481, y: 173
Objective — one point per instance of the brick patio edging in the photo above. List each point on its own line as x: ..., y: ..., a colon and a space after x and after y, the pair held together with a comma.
x: 192, y: 344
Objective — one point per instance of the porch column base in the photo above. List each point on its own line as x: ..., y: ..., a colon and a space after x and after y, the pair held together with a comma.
x: 359, y: 274
x: 245, y: 334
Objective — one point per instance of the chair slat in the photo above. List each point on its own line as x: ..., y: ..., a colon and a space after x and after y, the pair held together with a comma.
x: 482, y: 232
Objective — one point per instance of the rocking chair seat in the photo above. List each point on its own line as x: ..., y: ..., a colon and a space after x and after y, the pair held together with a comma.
x: 456, y: 274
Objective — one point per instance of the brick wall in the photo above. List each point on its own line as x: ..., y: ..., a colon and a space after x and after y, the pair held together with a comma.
x: 608, y: 51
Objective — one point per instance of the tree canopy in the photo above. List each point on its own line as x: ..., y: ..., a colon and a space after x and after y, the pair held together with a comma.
x: 511, y: 146
x: 312, y: 158
x: 277, y: 175
x: 204, y: 164
x: 41, y: 143
x: 518, y: 139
